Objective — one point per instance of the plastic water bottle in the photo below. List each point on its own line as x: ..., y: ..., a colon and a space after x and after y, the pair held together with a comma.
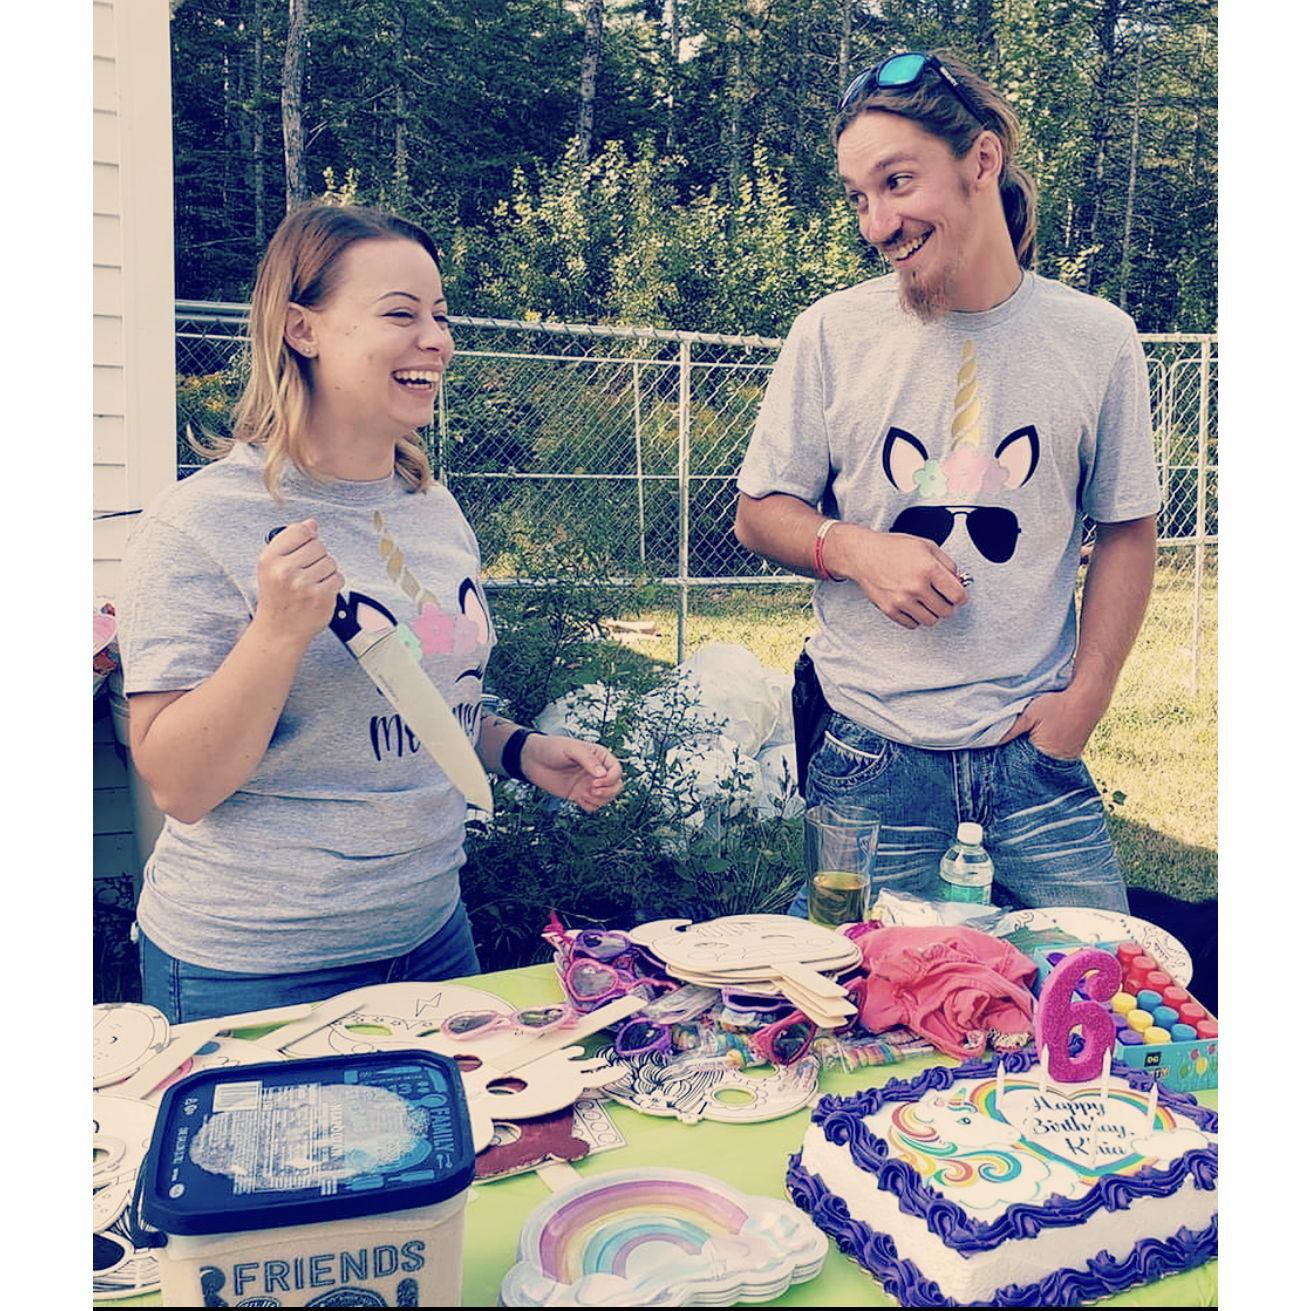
x: 965, y: 872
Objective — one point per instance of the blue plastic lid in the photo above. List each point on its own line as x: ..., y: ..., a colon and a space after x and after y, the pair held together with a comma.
x: 303, y: 1142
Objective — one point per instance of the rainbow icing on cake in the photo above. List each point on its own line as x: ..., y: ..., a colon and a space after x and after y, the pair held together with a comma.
x: 951, y: 1195
x: 660, y: 1237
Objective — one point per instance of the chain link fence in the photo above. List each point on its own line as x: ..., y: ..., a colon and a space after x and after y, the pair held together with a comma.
x: 633, y: 436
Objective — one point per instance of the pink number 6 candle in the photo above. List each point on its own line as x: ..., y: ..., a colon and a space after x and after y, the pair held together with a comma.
x: 1058, y: 1014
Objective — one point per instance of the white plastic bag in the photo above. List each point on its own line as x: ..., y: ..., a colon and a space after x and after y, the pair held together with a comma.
x: 723, y: 778
x: 579, y: 713
x: 781, y: 686
x: 778, y: 771
x: 735, y: 687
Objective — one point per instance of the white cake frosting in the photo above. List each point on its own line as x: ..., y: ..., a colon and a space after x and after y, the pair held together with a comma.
x: 998, y: 1157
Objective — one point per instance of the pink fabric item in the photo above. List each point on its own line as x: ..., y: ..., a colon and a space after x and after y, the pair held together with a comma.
x: 951, y: 985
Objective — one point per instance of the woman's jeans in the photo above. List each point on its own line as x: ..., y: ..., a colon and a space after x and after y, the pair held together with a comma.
x: 190, y: 992
x: 1043, y: 821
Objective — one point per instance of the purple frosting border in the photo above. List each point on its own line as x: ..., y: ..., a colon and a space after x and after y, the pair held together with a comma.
x: 1150, y: 1259
x: 842, y: 1120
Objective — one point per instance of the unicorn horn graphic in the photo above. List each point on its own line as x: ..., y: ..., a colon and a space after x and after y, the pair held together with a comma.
x: 965, y: 420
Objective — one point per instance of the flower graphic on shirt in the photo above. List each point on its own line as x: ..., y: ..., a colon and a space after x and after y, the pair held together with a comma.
x: 434, y: 630
x: 411, y: 642
x: 441, y: 634
x: 969, y: 472
x: 931, y: 481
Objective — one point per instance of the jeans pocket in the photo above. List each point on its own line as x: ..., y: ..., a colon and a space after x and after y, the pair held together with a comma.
x: 850, y: 756
x: 1027, y: 748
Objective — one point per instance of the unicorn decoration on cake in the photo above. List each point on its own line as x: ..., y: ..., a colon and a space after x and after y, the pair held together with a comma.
x: 967, y: 473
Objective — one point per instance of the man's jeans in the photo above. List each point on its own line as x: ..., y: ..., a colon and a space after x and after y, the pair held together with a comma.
x: 1043, y: 821
x: 191, y: 992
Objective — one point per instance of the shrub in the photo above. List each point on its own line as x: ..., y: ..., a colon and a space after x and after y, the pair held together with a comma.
x: 660, y: 850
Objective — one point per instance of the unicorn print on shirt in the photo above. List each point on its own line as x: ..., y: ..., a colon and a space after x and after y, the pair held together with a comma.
x: 959, y: 484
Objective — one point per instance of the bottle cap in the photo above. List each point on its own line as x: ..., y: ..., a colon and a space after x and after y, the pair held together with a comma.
x: 1175, y: 996
x: 1129, y: 1037
x: 1190, y: 1012
x: 1165, y: 1016
x: 1122, y: 1003
x: 1158, y: 980
x: 1126, y: 951
x: 1207, y: 1029
x: 1149, y: 1000
x: 1183, y: 1032
x: 1154, y: 1035
x: 1139, y: 1020
x: 971, y: 833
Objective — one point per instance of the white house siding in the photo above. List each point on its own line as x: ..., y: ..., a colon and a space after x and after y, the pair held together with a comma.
x: 132, y: 302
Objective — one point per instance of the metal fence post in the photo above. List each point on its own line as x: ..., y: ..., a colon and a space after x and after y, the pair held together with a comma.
x: 637, y: 440
x: 684, y: 463
x: 442, y: 433
x: 1199, y: 527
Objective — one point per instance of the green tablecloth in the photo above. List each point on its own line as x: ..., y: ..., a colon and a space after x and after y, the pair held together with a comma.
x: 752, y: 1158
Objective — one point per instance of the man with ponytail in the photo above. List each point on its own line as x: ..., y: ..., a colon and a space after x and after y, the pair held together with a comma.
x: 930, y: 445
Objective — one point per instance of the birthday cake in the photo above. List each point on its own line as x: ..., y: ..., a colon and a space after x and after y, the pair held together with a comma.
x: 959, y: 1189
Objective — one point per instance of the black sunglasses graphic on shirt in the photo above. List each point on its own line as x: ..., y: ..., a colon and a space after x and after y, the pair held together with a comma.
x: 992, y: 529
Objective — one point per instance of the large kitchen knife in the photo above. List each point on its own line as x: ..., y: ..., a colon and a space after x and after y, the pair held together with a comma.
x: 400, y: 678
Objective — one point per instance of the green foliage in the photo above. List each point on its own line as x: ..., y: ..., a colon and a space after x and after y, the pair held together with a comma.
x: 710, y: 201
x: 660, y: 849
x: 612, y: 242
x: 654, y: 853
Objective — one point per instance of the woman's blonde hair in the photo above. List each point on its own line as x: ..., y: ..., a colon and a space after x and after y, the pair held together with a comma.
x: 931, y: 103
x: 302, y: 266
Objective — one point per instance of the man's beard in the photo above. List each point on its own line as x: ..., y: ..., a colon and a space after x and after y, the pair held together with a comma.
x: 927, y: 298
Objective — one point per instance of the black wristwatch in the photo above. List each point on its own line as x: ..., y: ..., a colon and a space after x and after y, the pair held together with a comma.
x: 511, y: 764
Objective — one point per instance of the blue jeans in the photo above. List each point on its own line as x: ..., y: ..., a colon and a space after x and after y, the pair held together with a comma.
x: 190, y: 992
x: 1043, y: 821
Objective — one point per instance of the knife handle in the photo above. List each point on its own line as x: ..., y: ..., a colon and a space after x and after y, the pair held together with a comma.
x: 345, y: 622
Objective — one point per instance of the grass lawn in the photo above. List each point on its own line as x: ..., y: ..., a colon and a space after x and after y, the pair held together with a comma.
x: 1156, y: 745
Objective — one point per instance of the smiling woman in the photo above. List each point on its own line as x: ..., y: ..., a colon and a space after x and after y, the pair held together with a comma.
x: 312, y: 844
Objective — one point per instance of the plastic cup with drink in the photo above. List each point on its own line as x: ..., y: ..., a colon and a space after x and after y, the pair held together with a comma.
x: 841, y: 843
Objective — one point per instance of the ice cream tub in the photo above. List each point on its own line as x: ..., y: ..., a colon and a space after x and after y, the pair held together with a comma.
x: 337, y: 1181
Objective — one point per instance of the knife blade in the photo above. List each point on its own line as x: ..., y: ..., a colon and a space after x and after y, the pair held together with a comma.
x: 396, y: 673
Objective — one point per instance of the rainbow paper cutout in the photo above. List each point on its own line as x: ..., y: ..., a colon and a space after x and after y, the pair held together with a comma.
x: 660, y: 1237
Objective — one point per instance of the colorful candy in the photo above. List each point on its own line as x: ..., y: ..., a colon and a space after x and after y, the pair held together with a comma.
x: 1150, y: 1007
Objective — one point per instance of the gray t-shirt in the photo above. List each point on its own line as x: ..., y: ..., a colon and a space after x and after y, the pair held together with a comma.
x: 994, y: 433
x: 346, y: 842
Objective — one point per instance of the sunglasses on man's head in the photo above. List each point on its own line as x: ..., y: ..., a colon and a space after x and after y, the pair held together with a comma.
x: 992, y: 529
x: 899, y: 72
